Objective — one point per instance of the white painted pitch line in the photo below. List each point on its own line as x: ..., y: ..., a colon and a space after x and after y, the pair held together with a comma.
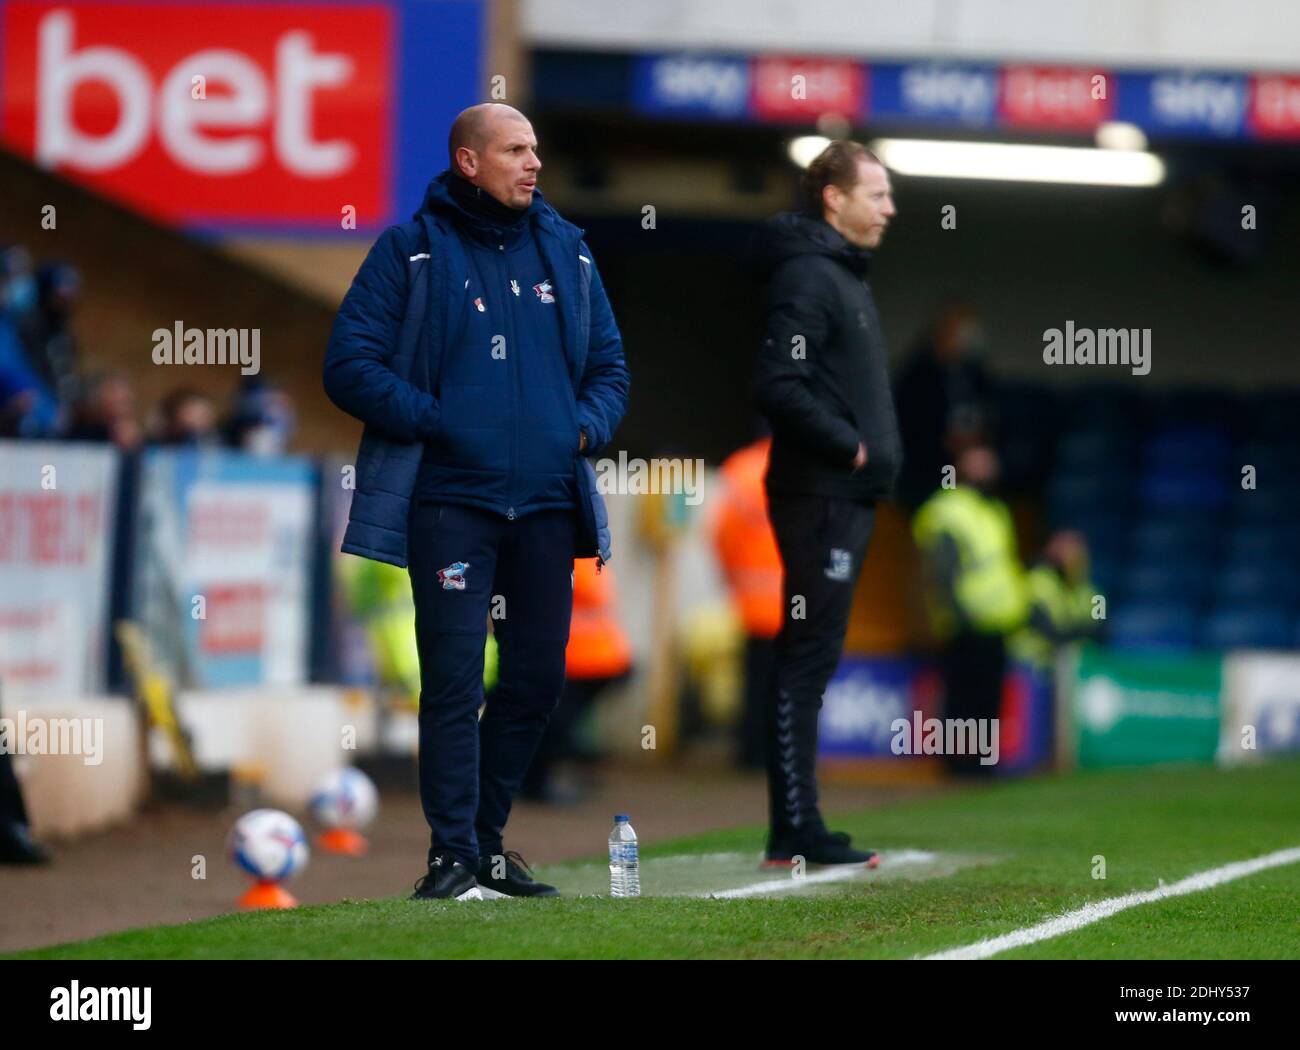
x: 836, y: 874
x: 1090, y: 913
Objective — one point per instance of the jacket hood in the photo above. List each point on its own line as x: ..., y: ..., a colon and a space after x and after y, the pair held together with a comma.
x: 792, y: 234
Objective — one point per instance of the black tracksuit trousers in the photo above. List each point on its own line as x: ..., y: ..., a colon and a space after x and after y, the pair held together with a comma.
x: 823, y: 542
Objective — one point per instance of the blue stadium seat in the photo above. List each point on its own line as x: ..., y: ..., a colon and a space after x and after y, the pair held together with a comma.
x: 1185, y: 582
x: 1106, y: 405
x: 1098, y: 450
x: 1190, y: 449
x: 1271, y: 415
x: 1248, y: 627
x: 1276, y: 501
x: 1072, y: 497
x: 1105, y: 533
x: 1165, y: 538
x: 1192, y: 407
x: 1105, y: 574
x: 1283, y: 456
x: 1264, y: 544
x: 1257, y: 583
x: 1169, y: 490
x: 1153, y: 626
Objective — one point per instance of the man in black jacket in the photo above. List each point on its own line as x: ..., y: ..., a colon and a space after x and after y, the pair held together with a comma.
x: 823, y: 384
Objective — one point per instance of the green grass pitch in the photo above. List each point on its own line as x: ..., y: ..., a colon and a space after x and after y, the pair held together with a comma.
x: 1005, y: 856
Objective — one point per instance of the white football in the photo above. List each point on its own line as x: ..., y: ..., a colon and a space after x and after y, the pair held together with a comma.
x: 345, y: 798
x: 269, y: 844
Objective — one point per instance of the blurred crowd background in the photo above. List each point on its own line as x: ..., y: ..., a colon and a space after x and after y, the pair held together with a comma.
x: 204, y: 506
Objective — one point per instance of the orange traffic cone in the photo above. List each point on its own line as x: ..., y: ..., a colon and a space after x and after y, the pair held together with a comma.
x: 266, y: 894
x: 343, y: 840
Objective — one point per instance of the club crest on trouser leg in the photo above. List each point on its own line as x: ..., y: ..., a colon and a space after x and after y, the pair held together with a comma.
x: 452, y: 577
x: 840, y: 564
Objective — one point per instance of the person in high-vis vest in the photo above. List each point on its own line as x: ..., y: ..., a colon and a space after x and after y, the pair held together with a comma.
x: 751, y: 563
x: 379, y: 595
x: 1061, y: 599
x: 975, y: 589
x: 598, y: 655
x: 16, y: 843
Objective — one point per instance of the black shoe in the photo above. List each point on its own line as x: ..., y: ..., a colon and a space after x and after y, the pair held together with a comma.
x: 18, y: 847
x: 822, y: 831
x: 447, y: 879
x: 516, y: 878
x: 819, y: 847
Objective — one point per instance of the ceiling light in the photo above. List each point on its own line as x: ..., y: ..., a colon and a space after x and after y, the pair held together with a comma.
x: 1020, y: 163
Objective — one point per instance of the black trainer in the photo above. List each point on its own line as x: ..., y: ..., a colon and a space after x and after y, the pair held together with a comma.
x: 516, y: 878
x: 819, y: 847
x: 447, y: 879
x: 18, y: 847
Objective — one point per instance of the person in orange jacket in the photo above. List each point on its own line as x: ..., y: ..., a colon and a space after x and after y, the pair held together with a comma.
x: 598, y: 655
x: 747, y: 552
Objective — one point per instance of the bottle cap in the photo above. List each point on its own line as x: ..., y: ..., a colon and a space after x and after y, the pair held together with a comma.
x: 622, y: 818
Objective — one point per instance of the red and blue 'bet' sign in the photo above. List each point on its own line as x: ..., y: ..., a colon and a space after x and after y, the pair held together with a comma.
x: 227, y: 115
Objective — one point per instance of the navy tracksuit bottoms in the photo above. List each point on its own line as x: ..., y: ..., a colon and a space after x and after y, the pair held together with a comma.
x: 467, y: 564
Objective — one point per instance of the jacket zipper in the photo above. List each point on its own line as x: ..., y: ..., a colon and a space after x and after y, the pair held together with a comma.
x: 503, y: 283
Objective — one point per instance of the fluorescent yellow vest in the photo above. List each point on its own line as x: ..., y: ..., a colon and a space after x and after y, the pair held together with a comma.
x: 990, y: 585
x: 380, y: 596
x: 1068, y: 607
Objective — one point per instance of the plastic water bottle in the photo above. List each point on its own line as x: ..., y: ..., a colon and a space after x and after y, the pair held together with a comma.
x: 624, y: 877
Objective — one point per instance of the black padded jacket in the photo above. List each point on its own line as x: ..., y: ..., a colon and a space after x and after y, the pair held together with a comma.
x: 822, y: 379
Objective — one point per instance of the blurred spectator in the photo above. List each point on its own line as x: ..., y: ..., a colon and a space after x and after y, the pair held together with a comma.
x: 1060, y: 602
x: 46, y: 329
x: 188, y: 417
x: 16, y: 845
x: 19, y: 282
x: 379, y: 596
x: 748, y: 555
x: 262, y: 420
x: 945, y: 401
x: 598, y: 655
x: 975, y: 589
x: 28, y: 407
x: 105, y: 412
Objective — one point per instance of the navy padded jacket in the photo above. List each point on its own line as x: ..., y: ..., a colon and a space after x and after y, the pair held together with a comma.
x: 407, y: 305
